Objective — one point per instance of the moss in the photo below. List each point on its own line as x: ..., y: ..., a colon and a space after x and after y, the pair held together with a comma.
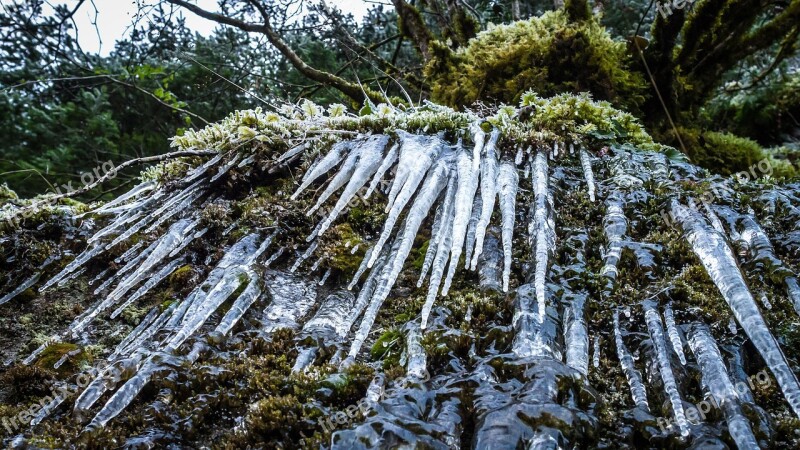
x: 388, y: 347
x: 338, y: 244
x: 728, y: 154
x: 25, y: 382
x: 181, y: 277
x: 548, y: 54
x: 7, y: 194
x: 75, y: 357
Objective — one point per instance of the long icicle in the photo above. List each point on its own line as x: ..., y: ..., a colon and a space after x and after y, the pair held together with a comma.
x: 718, y: 383
x: 717, y: 258
x: 541, y: 227
x: 507, y: 180
x: 656, y: 329
x: 488, y: 194
x: 638, y: 392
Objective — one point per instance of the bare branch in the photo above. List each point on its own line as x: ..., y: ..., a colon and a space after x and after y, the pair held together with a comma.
x: 412, y: 25
x: 352, y: 90
x: 149, y: 159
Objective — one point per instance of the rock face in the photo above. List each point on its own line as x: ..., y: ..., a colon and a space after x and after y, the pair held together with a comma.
x: 543, y: 276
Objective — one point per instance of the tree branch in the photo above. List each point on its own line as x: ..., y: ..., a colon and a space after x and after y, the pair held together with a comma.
x: 352, y: 90
x: 412, y: 26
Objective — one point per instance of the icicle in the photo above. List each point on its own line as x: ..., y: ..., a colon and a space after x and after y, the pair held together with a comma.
x: 718, y: 260
x: 291, y: 153
x: 128, y: 253
x: 223, y: 281
x: 586, y: 164
x: 656, y: 329
x: 638, y: 392
x: 715, y: 222
x: 596, y: 354
x: 794, y: 292
x: 518, y: 158
x: 243, y: 302
x: 304, y: 359
x: 328, y: 162
x: 417, y: 154
x: 149, y: 284
x: 388, y: 161
x: 541, y: 228
x: 471, y: 230
x: 468, y: 167
x: 433, y: 243
x: 576, y: 339
x: 316, y: 264
x: 225, y: 168
x: 719, y: 385
x: 325, y: 276
x: 433, y: 185
x: 274, y: 256
x: 134, y: 192
x: 304, y: 256
x: 124, y: 396
x: 488, y: 180
x: 76, y: 264
x: 442, y: 250
x: 30, y: 281
x: 360, y: 271
x: 155, y: 254
x: 672, y: 333
x: 507, y: 180
x: 356, y: 169
x: 71, y: 277
x: 615, y: 226
x: 415, y: 354
x: 369, y: 158
x: 35, y: 354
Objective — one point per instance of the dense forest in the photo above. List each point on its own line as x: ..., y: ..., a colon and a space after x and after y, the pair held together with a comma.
x: 441, y: 224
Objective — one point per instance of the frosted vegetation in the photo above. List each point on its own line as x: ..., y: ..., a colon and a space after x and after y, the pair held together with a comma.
x: 465, y: 203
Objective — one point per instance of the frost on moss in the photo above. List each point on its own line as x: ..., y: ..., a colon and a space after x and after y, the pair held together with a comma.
x: 537, y: 121
x: 548, y: 54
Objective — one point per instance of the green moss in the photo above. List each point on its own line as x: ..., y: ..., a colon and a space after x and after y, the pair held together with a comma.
x: 728, y: 154
x: 7, y: 194
x: 338, y: 244
x: 75, y: 357
x: 181, y: 277
x: 388, y: 347
x: 549, y: 54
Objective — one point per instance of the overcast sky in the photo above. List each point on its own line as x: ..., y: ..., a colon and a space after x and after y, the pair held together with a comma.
x: 115, y: 16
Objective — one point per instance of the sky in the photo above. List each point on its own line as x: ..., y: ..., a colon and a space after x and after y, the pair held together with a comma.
x: 115, y: 16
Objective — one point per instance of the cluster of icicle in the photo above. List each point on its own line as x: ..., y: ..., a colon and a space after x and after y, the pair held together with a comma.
x: 460, y: 184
